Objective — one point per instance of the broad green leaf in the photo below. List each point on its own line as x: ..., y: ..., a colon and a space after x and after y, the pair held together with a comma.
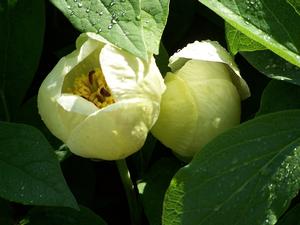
x: 237, y: 41
x: 295, y: 4
x: 247, y: 175
x: 22, y: 25
x: 291, y: 218
x: 154, y: 185
x: 29, y: 172
x: 64, y: 216
x: 118, y: 21
x: 272, y: 23
x: 154, y: 18
x: 279, y: 96
x: 273, y: 66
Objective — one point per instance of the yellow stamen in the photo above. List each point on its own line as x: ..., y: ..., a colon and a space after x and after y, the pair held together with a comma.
x: 93, y: 87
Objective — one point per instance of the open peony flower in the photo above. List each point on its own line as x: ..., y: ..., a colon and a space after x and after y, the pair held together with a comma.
x: 100, y: 100
x: 203, y: 96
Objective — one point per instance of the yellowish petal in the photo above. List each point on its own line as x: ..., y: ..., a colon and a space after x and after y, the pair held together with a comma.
x: 210, y: 51
x: 51, y: 88
x: 130, y: 77
x: 177, y: 120
x: 114, y: 132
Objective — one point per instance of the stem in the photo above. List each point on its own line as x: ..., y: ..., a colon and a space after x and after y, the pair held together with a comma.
x: 134, y: 207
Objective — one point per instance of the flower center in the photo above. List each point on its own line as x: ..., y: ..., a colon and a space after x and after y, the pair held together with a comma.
x: 93, y: 87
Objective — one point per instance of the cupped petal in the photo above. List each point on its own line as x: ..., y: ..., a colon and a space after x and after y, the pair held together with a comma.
x: 115, y: 131
x: 210, y: 51
x: 52, y: 86
x: 218, y: 107
x: 177, y: 120
x: 195, y: 71
x: 128, y: 76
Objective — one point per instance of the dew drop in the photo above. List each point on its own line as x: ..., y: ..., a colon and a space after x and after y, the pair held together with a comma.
x: 79, y: 5
x: 75, y: 0
x: 138, y: 17
x: 112, y: 3
x: 113, y: 21
x: 110, y: 26
x: 68, y: 7
x: 87, y: 10
x: 100, y: 13
x: 217, y: 208
x: 99, y: 30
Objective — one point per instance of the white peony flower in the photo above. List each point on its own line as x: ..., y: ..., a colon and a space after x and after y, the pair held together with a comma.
x: 203, y: 96
x: 100, y: 100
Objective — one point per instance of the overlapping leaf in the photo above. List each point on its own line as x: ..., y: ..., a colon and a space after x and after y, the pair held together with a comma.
x: 272, y: 23
x: 237, y: 41
x: 133, y: 25
x: 279, y: 96
x: 29, y: 170
x: 247, y: 175
x: 273, y: 66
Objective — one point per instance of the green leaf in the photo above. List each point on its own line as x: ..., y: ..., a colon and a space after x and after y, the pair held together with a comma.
x: 247, y: 175
x: 291, y: 218
x: 64, y: 216
x: 295, y: 4
x: 30, y: 173
x: 273, y: 66
x: 237, y: 41
x: 154, y: 185
x: 22, y: 26
x: 279, y: 96
x: 272, y: 23
x: 154, y: 18
x: 119, y: 22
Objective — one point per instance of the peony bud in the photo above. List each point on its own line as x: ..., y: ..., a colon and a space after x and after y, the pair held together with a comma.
x: 202, y: 100
x: 100, y: 100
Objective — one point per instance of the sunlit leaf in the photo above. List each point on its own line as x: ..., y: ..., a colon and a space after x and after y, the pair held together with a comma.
x: 247, y: 175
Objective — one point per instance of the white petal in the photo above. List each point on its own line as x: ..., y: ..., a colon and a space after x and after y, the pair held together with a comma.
x: 114, y: 132
x: 177, y: 120
x: 210, y: 51
x: 51, y: 87
x: 128, y: 76
x: 75, y: 103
